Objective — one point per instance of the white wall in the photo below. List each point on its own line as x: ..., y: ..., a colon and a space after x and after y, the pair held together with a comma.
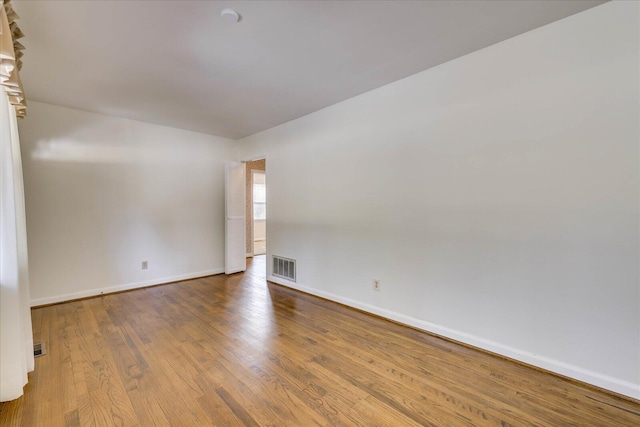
x: 496, y: 197
x: 104, y: 194
x: 259, y: 229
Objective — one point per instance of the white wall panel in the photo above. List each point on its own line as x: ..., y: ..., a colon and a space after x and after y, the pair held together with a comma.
x: 104, y: 194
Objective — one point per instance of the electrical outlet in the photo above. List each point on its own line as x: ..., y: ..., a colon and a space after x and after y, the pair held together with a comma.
x: 145, y: 265
x: 376, y: 285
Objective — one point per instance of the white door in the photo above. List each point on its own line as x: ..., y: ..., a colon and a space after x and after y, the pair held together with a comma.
x: 235, y: 243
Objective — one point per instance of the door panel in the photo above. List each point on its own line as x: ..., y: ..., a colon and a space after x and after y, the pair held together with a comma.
x: 235, y: 245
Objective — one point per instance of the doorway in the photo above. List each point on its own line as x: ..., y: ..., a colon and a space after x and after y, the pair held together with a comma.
x: 259, y: 211
x: 256, y: 208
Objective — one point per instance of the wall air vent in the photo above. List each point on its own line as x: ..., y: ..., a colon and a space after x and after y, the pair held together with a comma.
x: 39, y: 349
x: 284, y: 267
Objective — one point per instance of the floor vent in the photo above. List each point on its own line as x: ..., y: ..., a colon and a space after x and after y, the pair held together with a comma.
x: 284, y: 267
x: 39, y: 349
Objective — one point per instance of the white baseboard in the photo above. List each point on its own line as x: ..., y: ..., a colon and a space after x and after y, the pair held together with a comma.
x: 600, y: 380
x: 125, y: 287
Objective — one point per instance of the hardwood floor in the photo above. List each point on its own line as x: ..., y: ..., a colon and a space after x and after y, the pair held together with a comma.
x: 235, y: 350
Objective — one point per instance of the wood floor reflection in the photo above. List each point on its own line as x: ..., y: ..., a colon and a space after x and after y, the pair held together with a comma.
x: 237, y: 351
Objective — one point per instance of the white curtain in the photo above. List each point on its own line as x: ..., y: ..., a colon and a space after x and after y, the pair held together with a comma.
x: 16, y: 339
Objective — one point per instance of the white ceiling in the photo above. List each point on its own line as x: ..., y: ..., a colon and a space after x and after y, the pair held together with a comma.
x: 177, y: 63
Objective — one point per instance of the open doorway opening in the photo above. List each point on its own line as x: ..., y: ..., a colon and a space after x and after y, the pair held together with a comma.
x: 256, y: 210
x: 259, y: 191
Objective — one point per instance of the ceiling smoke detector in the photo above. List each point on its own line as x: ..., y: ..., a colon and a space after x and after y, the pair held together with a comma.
x: 230, y: 16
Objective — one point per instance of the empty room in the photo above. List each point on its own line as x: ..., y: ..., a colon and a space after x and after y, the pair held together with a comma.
x: 332, y: 213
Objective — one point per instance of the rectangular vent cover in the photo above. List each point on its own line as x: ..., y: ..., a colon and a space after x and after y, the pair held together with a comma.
x: 284, y: 267
x: 39, y: 349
